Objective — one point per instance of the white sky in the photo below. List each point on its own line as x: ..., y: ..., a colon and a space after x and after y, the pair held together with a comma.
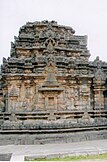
x: 86, y: 17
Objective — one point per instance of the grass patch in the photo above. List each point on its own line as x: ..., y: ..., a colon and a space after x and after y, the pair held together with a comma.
x: 75, y: 158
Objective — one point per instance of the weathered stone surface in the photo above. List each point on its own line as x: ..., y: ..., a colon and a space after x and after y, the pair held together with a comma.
x: 31, y: 139
x: 49, y: 83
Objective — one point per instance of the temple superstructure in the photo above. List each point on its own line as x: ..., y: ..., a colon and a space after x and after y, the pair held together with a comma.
x: 49, y: 73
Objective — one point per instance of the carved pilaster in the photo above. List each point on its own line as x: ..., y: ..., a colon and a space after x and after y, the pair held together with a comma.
x: 84, y: 94
x: 98, y: 95
x: 46, y: 102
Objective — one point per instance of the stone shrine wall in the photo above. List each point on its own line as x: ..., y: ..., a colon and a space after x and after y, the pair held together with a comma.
x: 48, y: 85
x: 49, y: 69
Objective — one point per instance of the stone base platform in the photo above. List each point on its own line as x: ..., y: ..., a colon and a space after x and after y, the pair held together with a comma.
x: 52, y: 127
x: 31, y: 138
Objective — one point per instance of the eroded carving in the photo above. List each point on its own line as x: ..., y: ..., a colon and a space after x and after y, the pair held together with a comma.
x: 49, y: 72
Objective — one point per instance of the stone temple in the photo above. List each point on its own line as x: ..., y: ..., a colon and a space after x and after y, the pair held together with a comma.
x: 49, y: 90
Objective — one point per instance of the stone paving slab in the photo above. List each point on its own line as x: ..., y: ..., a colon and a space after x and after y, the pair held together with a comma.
x: 58, y: 150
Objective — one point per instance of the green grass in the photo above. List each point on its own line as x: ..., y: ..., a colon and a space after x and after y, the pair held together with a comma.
x: 75, y: 158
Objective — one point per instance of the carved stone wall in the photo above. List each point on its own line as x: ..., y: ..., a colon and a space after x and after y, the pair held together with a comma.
x: 49, y: 69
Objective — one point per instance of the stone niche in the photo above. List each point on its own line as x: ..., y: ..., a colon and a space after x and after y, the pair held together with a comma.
x: 50, y: 88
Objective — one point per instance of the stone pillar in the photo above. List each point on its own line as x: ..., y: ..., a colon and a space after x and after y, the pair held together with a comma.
x: 55, y: 102
x: 6, y: 102
x: 19, y: 83
x: 98, y: 96
x: 84, y: 94
x: 36, y: 96
x: 6, y: 98
x: 88, y: 94
x: 46, y: 102
x: 72, y: 96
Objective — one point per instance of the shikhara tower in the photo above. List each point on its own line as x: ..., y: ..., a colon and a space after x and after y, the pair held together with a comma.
x: 48, y: 77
